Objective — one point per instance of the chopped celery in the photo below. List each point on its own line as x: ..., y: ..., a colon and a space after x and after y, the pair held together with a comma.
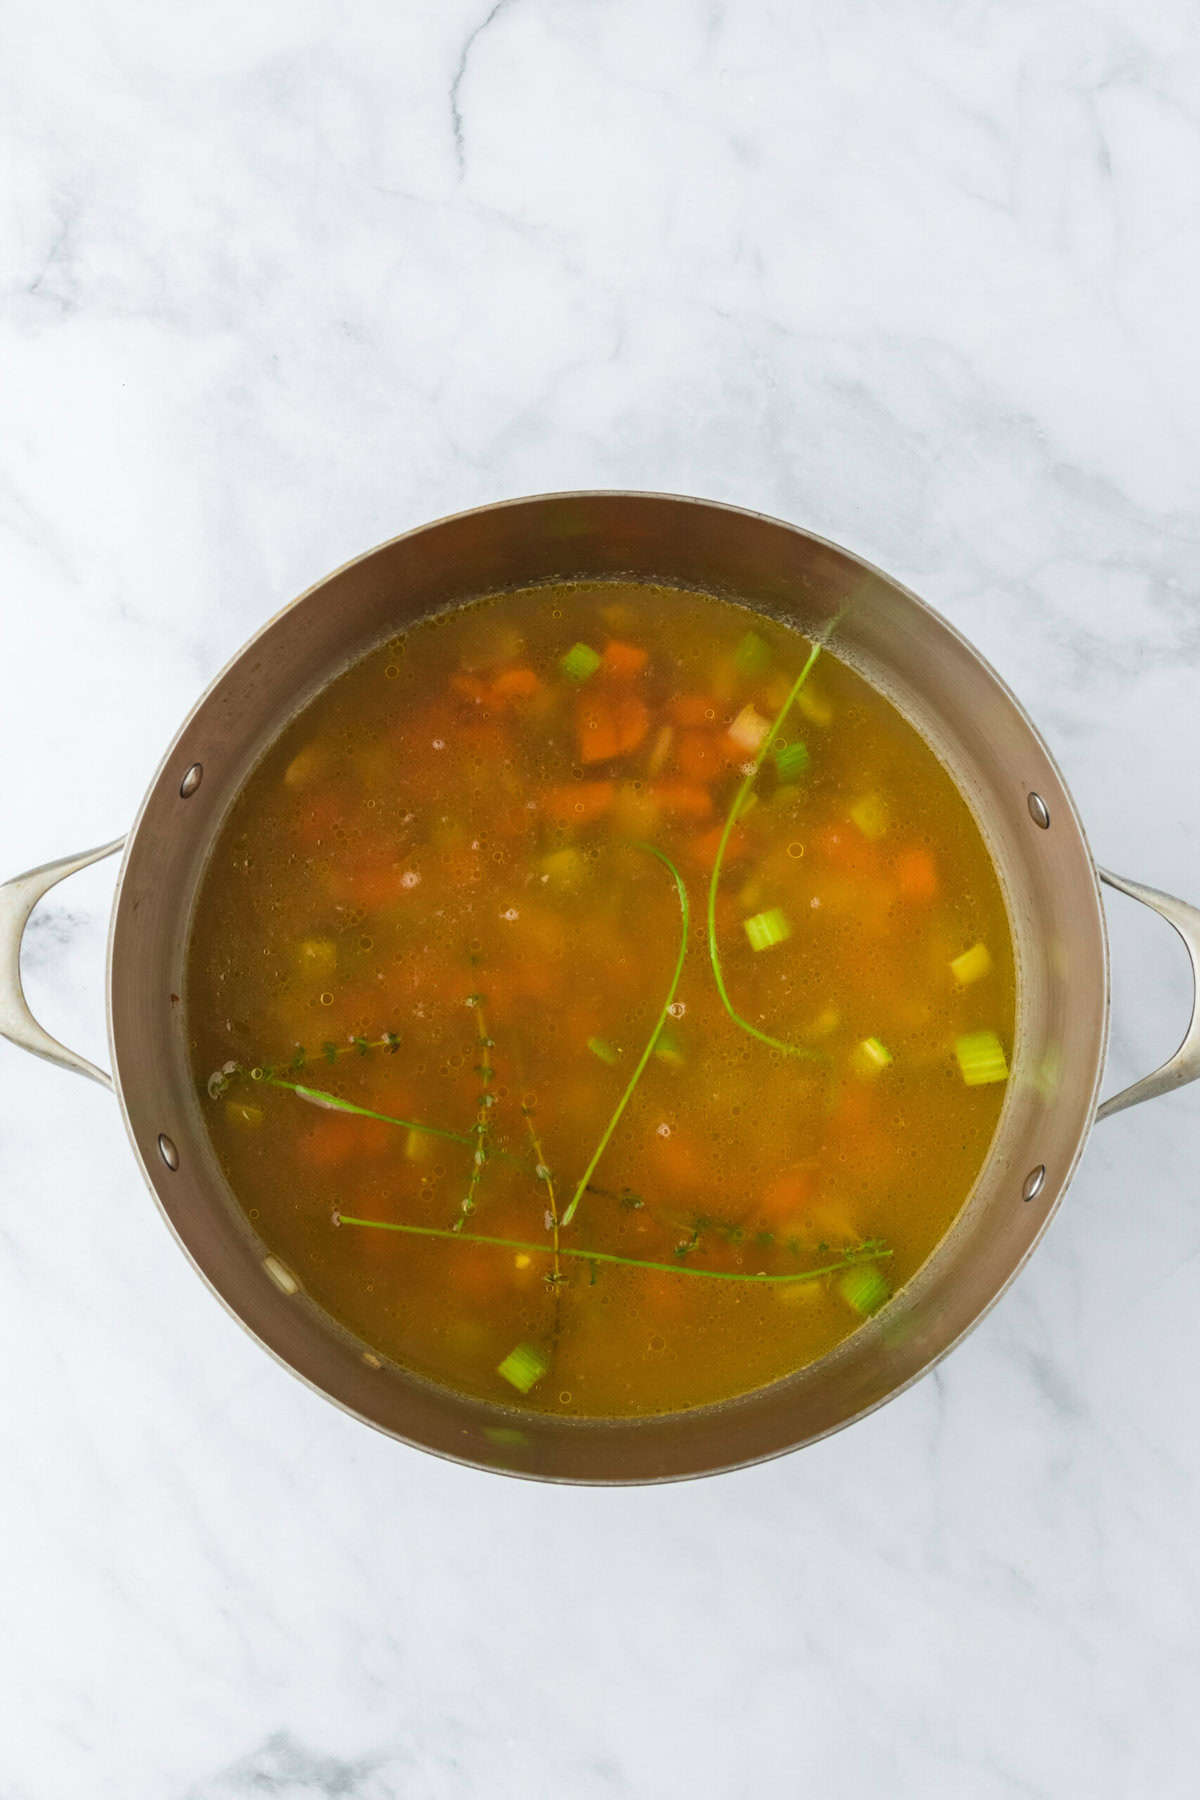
x: 870, y: 814
x: 604, y: 1051
x: 660, y: 750
x: 316, y: 956
x: 972, y: 965
x: 668, y: 1049
x: 306, y: 767
x: 565, y: 868
x: 791, y: 760
x: 418, y: 1146
x: 752, y: 656
x: 524, y: 1366
x: 814, y: 706
x: 825, y: 1022
x: 749, y: 729
x: 871, y: 1057
x: 767, y: 928
x: 579, y: 662
x: 504, y: 1437
x: 799, y: 1293
x: 863, y: 1288
x: 981, y: 1058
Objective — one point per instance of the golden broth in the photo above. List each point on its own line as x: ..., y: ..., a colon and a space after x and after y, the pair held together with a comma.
x: 450, y: 894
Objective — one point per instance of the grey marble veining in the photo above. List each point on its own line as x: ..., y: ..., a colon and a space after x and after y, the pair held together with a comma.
x: 280, y: 281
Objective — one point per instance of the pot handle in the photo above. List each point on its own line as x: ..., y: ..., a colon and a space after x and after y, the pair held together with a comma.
x: 1184, y: 1066
x: 18, y: 898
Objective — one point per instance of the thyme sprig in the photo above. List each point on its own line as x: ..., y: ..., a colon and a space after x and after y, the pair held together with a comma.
x: 870, y: 1251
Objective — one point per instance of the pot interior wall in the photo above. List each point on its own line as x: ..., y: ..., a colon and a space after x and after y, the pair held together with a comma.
x: 942, y: 686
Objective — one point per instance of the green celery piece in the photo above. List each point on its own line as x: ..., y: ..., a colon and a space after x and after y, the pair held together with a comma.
x: 524, y: 1366
x: 791, y: 761
x: 752, y: 656
x: 580, y: 662
x: 863, y: 1288
x: 766, y: 929
x: 981, y: 1058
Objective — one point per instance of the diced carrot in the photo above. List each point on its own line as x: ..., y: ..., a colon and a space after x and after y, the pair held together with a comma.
x: 916, y: 874
x: 703, y: 849
x: 675, y: 1161
x: 337, y: 1137
x: 481, y: 740
x: 663, y: 1297
x: 370, y: 885
x: 692, y: 709
x: 683, y: 799
x: 624, y: 660
x: 853, y: 1112
x: 609, y: 724
x: 514, y: 684
x: 579, y: 802
x: 459, y: 869
x: 701, y: 755
x: 844, y: 847
x: 787, y: 1196
x: 469, y: 688
x: 479, y: 1274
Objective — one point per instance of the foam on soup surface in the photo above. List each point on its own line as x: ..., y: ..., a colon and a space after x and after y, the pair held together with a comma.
x: 602, y: 1000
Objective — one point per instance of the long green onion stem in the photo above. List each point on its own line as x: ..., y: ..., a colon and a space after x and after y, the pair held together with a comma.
x: 748, y: 780
x: 644, y: 1058
x: 865, y: 1253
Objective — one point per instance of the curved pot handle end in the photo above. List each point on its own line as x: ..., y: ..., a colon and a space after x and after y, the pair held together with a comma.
x: 18, y: 898
x: 1184, y: 1066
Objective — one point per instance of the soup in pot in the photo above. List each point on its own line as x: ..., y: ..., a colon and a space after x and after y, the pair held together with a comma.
x: 601, y: 998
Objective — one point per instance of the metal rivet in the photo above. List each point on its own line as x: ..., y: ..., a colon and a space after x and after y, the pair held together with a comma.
x: 167, y: 1150
x: 1035, y: 1181
x: 191, y: 781
x: 1039, y: 812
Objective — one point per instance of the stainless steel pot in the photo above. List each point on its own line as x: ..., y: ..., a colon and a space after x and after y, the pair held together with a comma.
x: 937, y: 680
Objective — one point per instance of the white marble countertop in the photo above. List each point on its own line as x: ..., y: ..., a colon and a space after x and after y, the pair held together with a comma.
x: 282, y: 280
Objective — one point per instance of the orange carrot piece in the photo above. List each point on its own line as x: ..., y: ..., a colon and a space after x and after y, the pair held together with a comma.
x: 609, y: 724
x: 787, y: 1196
x: 579, y: 802
x: 703, y: 849
x: 514, y: 684
x: 703, y: 755
x: 692, y: 709
x: 339, y: 1136
x: 916, y: 874
x: 624, y: 660
x: 844, y: 847
x: 675, y: 1160
x: 683, y: 799
x: 469, y: 688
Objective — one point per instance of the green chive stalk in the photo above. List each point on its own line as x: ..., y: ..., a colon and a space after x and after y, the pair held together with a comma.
x: 644, y: 1058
